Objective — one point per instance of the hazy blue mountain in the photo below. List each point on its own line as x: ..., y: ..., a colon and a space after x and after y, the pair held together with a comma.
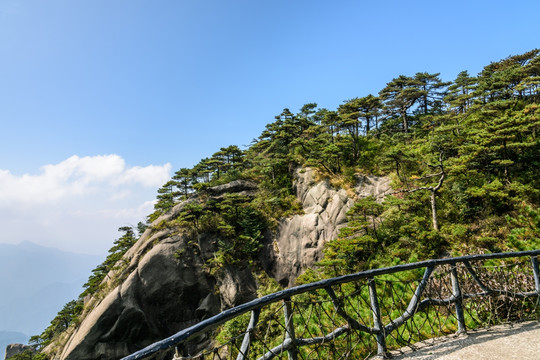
x: 10, y: 337
x: 36, y: 282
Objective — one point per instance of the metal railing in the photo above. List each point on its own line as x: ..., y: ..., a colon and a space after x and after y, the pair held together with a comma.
x: 368, y: 313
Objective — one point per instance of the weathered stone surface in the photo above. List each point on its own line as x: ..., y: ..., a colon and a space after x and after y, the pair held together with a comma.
x: 14, y: 349
x: 371, y: 185
x: 300, y: 239
x: 243, y: 187
x: 163, y: 294
x: 166, y: 286
x: 236, y: 286
x: 167, y: 289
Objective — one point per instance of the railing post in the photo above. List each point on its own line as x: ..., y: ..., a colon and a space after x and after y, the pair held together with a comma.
x: 456, y: 293
x: 289, y: 327
x: 244, y: 349
x: 536, y: 271
x: 177, y: 353
x: 377, y: 322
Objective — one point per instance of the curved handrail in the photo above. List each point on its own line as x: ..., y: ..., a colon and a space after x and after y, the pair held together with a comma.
x: 415, y: 304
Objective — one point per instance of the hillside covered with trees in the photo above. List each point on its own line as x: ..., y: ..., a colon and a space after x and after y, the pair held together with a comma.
x: 463, y: 156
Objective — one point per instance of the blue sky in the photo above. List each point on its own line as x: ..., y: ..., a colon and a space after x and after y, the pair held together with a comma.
x: 101, y: 101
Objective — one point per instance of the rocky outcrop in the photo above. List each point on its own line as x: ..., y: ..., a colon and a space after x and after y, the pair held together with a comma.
x: 162, y: 294
x: 236, y: 286
x: 163, y: 286
x: 300, y: 239
x: 165, y: 289
x: 239, y: 187
x: 15, y: 349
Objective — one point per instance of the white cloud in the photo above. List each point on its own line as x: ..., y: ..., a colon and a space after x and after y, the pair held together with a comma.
x: 78, y: 204
x: 148, y: 176
x: 135, y: 212
x: 77, y: 176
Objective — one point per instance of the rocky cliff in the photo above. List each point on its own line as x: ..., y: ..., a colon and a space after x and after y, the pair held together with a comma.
x: 16, y: 349
x: 299, y: 240
x: 162, y: 285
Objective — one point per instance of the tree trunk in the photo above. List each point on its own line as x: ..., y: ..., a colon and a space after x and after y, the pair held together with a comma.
x: 434, y: 211
x: 405, y: 121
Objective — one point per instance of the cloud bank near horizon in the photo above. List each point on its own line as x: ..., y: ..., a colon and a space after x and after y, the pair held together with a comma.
x: 79, y: 203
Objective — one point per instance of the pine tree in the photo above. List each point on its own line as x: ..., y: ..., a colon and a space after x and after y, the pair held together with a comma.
x: 432, y: 92
x: 400, y: 95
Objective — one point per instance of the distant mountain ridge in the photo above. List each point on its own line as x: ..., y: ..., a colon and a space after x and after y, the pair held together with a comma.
x: 35, y: 283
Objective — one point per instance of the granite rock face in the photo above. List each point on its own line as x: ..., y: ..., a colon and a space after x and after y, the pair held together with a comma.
x: 166, y: 289
x: 240, y: 187
x: 162, y: 294
x: 163, y: 286
x: 300, y: 239
x: 15, y: 349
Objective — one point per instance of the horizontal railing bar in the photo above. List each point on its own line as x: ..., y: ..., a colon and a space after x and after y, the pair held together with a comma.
x: 229, y: 314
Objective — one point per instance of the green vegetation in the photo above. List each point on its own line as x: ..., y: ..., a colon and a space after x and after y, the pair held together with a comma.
x: 121, y: 245
x: 69, y: 315
x: 233, y: 221
x: 28, y: 355
x: 463, y: 156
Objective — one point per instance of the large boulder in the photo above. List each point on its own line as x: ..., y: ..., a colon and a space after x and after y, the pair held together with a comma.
x: 167, y: 291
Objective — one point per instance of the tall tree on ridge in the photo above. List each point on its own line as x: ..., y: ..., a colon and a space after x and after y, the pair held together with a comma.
x: 369, y: 110
x: 330, y: 120
x: 400, y: 95
x: 460, y: 93
x: 305, y: 117
x: 349, y: 113
x: 167, y: 196
x: 432, y: 91
x: 184, y: 179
